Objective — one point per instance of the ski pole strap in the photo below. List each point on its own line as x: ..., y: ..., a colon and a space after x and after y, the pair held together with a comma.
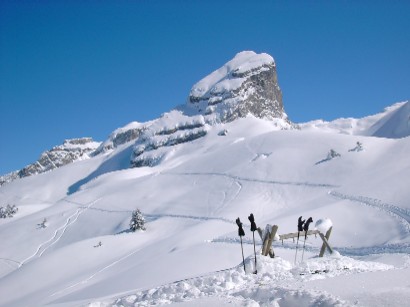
x: 241, y: 232
x: 300, y: 223
x: 252, y: 220
x: 306, y: 226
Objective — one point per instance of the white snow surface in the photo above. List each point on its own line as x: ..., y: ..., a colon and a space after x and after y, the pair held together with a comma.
x: 190, y: 254
x: 393, y: 122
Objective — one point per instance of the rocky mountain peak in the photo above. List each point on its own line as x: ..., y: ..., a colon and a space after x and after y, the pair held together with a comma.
x: 247, y: 84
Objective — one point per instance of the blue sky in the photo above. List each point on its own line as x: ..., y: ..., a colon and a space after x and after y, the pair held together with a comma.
x: 84, y: 68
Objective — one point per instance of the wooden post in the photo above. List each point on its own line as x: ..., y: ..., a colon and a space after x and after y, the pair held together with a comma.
x: 267, y: 241
x: 270, y: 240
x: 325, y: 242
x: 266, y: 246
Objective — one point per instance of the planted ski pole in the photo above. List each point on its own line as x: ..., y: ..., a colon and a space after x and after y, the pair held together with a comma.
x: 306, y: 228
x: 300, y: 228
x: 253, y: 228
x: 241, y: 233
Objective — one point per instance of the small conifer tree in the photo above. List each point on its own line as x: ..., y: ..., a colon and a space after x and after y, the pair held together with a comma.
x: 9, y: 211
x: 137, y: 221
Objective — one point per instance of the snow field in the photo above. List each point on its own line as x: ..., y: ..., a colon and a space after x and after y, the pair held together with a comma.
x: 190, y: 202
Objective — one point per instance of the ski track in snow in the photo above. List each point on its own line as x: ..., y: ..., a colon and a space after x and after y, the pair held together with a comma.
x: 401, y: 214
x: 7, y: 261
x: 58, y: 233
x: 238, y: 178
x: 201, y: 218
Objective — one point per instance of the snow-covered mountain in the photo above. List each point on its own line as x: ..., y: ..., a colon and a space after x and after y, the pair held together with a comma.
x: 192, y: 172
x: 248, y: 84
x: 70, y: 151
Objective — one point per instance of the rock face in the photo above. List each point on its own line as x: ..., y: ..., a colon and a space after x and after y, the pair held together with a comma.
x: 121, y: 136
x: 172, y: 128
x: 70, y: 151
x: 245, y: 85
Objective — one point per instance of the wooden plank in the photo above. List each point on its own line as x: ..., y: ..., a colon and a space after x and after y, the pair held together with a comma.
x: 295, y: 234
x: 265, y: 246
x: 270, y: 240
x: 325, y: 242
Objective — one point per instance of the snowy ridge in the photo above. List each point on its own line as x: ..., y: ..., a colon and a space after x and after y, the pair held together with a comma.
x: 393, y: 122
x: 70, y: 151
x: 396, y: 124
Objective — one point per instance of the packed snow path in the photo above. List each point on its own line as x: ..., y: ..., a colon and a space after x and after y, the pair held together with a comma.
x: 254, y: 180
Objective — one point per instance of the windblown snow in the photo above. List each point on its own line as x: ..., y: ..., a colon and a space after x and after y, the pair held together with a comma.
x: 69, y: 244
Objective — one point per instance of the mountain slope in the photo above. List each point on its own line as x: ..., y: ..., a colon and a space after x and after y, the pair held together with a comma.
x: 190, y: 202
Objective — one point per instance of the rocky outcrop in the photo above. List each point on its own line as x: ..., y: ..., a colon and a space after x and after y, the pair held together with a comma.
x: 171, y: 129
x: 121, y: 136
x: 245, y: 85
x: 70, y: 151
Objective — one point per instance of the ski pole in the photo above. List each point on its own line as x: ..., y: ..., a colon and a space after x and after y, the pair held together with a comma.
x: 241, y: 233
x: 306, y: 228
x: 253, y: 228
x: 300, y: 228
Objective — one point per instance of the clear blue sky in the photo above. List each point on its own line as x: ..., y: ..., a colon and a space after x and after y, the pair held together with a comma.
x: 84, y: 68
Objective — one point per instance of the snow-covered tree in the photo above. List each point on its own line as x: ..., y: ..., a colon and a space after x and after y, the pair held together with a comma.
x: 9, y: 211
x: 137, y: 221
x: 359, y: 147
x: 332, y: 154
x: 43, y: 224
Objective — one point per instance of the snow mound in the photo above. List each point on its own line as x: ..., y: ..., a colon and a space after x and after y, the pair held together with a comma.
x: 323, y: 225
x: 268, y: 287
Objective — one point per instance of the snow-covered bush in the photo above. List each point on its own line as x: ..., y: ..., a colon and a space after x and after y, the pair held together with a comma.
x: 9, y: 211
x: 359, y: 147
x: 43, y: 224
x: 332, y: 154
x: 137, y: 221
x: 323, y: 225
x: 223, y: 132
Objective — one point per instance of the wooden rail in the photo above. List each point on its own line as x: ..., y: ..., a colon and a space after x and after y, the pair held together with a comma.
x: 271, y: 233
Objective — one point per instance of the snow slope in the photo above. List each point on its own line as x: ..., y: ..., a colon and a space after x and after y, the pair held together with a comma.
x: 190, y: 253
x: 393, y: 122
